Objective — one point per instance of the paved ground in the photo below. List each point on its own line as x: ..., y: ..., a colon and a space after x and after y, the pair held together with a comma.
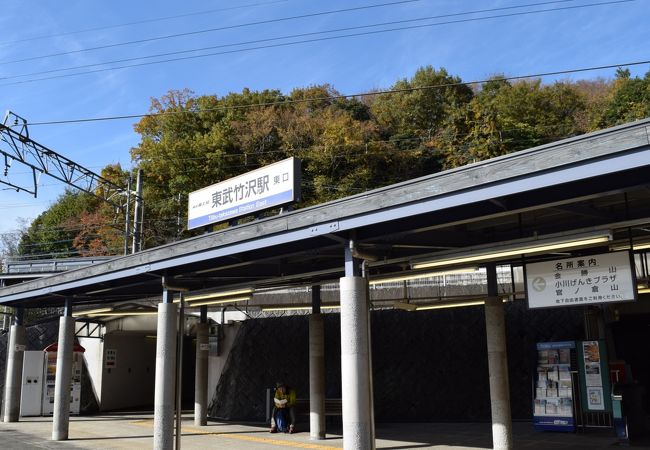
x: 135, y: 431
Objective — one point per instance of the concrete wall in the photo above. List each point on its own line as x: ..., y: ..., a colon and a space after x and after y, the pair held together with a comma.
x: 93, y: 359
x: 131, y: 382
x: 217, y: 362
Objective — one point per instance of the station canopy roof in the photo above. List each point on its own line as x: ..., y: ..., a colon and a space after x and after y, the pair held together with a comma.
x: 551, y: 198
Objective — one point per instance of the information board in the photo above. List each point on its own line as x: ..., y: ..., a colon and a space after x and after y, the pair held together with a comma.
x: 273, y: 185
x: 584, y: 280
x: 553, y: 403
x: 594, y: 371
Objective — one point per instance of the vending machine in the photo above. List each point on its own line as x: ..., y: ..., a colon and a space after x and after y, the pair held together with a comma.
x: 555, y: 392
x: 49, y: 376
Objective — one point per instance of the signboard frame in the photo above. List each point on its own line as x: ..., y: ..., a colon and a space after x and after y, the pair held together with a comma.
x: 589, y: 386
x: 556, y: 358
x: 632, y: 283
x: 278, y: 184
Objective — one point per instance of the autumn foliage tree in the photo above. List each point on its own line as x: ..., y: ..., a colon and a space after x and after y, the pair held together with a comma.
x: 426, y: 123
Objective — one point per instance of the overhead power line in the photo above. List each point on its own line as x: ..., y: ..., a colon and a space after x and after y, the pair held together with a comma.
x: 282, y: 102
x: 223, y: 28
x: 139, y: 22
x: 278, y: 38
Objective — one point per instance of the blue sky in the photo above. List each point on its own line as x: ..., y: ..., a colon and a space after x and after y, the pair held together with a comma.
x: 517, y: 45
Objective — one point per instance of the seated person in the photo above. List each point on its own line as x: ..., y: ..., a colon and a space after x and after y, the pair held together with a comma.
x: 284, y: 400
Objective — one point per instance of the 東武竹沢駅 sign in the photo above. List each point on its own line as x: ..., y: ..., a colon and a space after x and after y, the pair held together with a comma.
x: 583, y: 280
x: 273, y: 185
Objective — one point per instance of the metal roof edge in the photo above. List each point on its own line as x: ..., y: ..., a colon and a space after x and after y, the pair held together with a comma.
x: 278, y: 224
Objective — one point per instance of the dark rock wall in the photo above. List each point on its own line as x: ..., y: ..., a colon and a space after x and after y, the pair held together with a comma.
x: 427, y: 366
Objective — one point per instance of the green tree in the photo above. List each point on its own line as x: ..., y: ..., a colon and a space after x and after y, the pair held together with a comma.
x: 629, y: 100
x: 347, y: 145
x: 52, y: 233
x: 425, y: 117
x: 505, y: 117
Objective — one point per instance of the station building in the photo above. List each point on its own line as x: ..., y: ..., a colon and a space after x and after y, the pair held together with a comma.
x: 511, y: 289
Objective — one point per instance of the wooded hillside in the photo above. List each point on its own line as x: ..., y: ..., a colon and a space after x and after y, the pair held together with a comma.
x: 429, y: 122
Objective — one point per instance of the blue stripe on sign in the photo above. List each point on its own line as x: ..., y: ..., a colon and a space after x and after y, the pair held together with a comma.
x: 241, y: 210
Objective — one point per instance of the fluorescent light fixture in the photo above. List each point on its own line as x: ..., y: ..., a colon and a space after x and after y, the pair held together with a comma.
x: 644, y: 290
x: 124, y: 313
x: 644, y: 245
x: 542, y: 246
x: 450, y: 305
x: 298, y: 308
x: 423, y: 275
x: 210, y: 295
x: 220, y: 301
x: 453, y: 305
x: 91, y: 311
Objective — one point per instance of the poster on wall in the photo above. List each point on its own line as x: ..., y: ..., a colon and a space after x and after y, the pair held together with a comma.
x: 594, y: 370
x: 591, y: 352
x: 595, y: 398
x: 583, y: 280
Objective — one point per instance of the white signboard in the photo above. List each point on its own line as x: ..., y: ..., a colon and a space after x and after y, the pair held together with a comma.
x: 273, y: 185
x: 583, y: 280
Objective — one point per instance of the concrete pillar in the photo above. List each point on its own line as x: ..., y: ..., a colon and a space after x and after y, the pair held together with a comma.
x: 164, y: 399
x: 316, y: 369
x: 355, y: 360
x: 14, y: 374
x: 61, y: 420
x: 498, y: 365
x: 201, y: 377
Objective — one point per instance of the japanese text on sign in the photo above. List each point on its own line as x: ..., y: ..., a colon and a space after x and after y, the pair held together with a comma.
x: 585, y: 280
x: 273, y: 185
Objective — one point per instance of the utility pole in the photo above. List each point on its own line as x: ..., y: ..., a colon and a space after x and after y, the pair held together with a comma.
x: 127, y: 218
x: 137, y: 215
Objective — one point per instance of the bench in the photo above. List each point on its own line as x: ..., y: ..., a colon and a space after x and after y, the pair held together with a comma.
x: 333, y: 406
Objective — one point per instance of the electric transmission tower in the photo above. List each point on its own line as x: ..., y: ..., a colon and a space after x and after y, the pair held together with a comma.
x: 41, y: 160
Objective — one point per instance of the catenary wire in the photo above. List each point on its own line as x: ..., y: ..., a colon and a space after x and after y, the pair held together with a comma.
x: 139, y: 22
x: 264, y: 47
x: 283, y: 102
x: 210, y: 30
x: 269, y: 21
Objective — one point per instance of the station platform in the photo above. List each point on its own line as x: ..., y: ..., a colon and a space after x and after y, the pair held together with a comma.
x: 135, y: 431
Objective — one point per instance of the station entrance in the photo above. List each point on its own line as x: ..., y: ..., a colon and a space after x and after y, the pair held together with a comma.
x: 404, y: 248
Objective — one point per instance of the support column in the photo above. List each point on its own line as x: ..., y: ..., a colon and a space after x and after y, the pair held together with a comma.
x: 316, y: 368
x: 498, y: 365
x: 164, y: 401
x: 355, y: 359
x: 61, y: 420
x: 14, y: 375
x: 201, y: 378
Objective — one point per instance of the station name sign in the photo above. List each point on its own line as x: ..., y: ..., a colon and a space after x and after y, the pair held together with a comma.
x: 585, y: 280
x: 270, y: 186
